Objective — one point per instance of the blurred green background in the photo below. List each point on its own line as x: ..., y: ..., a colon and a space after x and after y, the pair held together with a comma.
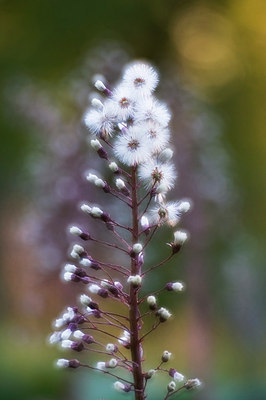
x: 212, y: 59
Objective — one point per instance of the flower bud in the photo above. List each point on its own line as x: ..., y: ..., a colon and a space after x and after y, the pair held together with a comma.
x: 171, y: 386
x: 121, y: 387
x: 192, y: 383
x: 166, y: 155
x: 150, y: 373
x: 111, y: 348
x: 100, y: 86
x: 97, y: 104
x: 113, y: 166
x: 174, y: 286
x: 134, y: 280
x: 111, y: 363
x: 176, y: 375
x: 137, y: 248
x: 163, y: 314
x: 166, y: 356
x: 152, y: 302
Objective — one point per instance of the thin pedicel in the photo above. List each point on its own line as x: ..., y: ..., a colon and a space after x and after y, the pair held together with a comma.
x: 131, y: 136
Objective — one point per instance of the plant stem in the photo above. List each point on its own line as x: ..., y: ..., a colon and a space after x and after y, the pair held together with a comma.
x: 133, y: 300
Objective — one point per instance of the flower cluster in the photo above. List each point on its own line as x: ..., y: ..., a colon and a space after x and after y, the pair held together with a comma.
x: 130, y: 133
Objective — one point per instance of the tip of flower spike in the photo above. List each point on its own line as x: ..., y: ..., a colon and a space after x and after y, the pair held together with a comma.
x: 140, y: 77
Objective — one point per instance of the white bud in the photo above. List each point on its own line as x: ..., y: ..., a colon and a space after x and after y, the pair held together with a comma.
x: 86, y: 208
x: 177, y: 286
x: 171, y: 386
x: 151, y: 300
x: 166, y: 155
x: 96, y: 212
x: 100, y: 85
x: 120, y: 184
x: 134, y: 280
x: 67, y: 276
x: 94, y: 288
x: 178, y: 377
x: 113, y: 166
x: 78, y: 335
x: 105, y: 284
x: 70, y: 268
x: 144, y: 222
x: 95, y: 144
x: 59, y: 323
x: 112, y: 363
x: 62, y: 363
x: 137, y: 248
x: 76, y: 251
x: 99, y: 183
x: 66, y: 344
x: 74, y: 230
x: 164, y: 314
x: 85, y: 262
x: 151, y: 373
x: 85, y: 300
x: 180, y: 237
x: 119, y: 386
x: 66, y: 334
x: 97, y: 104
x: 91, y: 177
x: 184, y: 206
x: 166, y: 356
x: 110, y: 347
x: 100, y: 365
x: 54, y: 338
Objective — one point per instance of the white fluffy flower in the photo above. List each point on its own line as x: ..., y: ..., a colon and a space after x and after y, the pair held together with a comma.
x: 141, y: 78
x: 155, y: 174
x: 132, y: 147
x: 157, y: 135
x: 166, y: 213
x: 123, y: 102
x: 151, y: 110
x: 101, y: 121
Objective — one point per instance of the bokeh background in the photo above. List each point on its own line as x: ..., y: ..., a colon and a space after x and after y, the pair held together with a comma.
x: 212, y: 60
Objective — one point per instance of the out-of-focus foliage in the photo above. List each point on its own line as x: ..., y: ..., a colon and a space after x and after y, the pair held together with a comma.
x: 215, y: 51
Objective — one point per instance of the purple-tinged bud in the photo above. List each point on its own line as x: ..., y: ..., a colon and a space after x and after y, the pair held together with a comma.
x: 174, y: 286
x: 152, y: 302
x: 77, y: 346
x: 121, y: 387
x: 144, y: 222
x: 73, y: 363
x: 112, y: 289
x: 102, y: 153
x: 103, y: 293
x: 118, y: 285
x: 179, y: 239
x: 79, y: 319
x: 95, y: 265
x: 69, y: 277
x: 105, y: 217
x: 88, y: 339
x: 176, y: 375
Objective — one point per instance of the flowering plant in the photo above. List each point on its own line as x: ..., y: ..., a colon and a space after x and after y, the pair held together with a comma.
x: 131, y: 136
